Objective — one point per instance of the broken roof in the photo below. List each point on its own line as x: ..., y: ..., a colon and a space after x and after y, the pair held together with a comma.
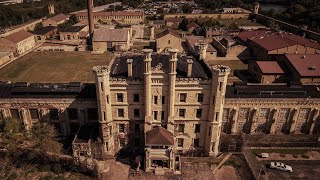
x: 159, y: 136
x: 119, y: 68
x: 19, y: 36
x: 305, y: 65
x: 116, y: 35
x: 270, y: 67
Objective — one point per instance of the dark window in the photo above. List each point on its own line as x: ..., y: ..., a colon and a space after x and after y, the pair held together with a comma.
x: 137, y: 128
x: 155, y: 99
x: 197, y: 128
x: 54, y: 114
x: 57, y: 127
x: 74, y: 127
x: 180, y: 142
x: 108, y: 99
x: 181, y: 128
x: 137, y: 142
x: 122, y: 142
x: 120, y: 113
x: 73, y: 114
x: 200, y: 97
x: 182, y: 112
x: 121, y: 128
x: 136, y: 113
x: 162, y: 115
x: 183, y: 97
x: 101, y: 86
x: 220, y: 86
x: 217, y: 116
x: 15, y: 113
x: 196, y: 142
x: 119, y: 97
x: 163, y: 99
x: 92, y: 114
x: 34, y: 113
x: 136, y: 98
x: 199, y: 113
x: 213, y: 100
x: 155, y: 115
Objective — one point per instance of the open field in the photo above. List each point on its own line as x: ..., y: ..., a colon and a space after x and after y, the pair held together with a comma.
x: 54, y: 67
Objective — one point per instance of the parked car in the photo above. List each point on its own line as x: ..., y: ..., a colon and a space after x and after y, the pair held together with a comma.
x: 280, y: 166
x: 264, y: 155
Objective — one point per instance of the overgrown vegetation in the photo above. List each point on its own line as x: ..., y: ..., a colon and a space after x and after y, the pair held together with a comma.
x: 26, y: 153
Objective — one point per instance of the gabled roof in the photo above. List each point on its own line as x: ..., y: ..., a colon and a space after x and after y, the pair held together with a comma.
x: 305, y: 65
x: 175, y: 20
x: 167, y: 31
x: 192, y: 25
x: 159, y: 136
x: 273, y: 42
x: 19, y: 36
x: 44, y: 30
x: 59, y: 17
x: 245, y: 35
x: 6, y: 45
x: 73, y: 29
x: 269, y: 67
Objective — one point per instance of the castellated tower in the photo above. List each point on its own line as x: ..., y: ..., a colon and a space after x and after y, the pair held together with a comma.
x: 51, y: 9
x: 219, y: 82
x: 102, y: 75
x: 147, y: 87
x: 172, y: 86
x: 201, y: 50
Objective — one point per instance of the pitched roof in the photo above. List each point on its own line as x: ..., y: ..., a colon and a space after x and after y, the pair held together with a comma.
x: 270, y: 67
x: 19, y: 36
x: 59, y: 17
x: 159, y: 136
x: 103, y: 35
x: 44, y: 30
x: 167, y: 31
x: 245, y: 35
x: 73, y: 29
x: 305, y: 65
x: 6, y: 45
x: 83, y: 22
x: 273, y: 42
x: 192, y: 25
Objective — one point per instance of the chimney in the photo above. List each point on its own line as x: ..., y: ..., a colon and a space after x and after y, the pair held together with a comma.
x: 152, y: 33
x: 189, y: 70
x: 147, y: 60
x: 51, y: 9
x: 90, y: 17
x: 129, y: 63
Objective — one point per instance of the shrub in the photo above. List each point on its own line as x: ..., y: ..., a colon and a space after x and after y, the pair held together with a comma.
x: 56, y: 168
x: 45, y: 168
x: 295, y: 156
x: 282, y: 155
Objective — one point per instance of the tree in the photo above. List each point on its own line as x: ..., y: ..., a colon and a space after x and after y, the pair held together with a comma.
x: 44, y: 137
x: 183, y: 25
x: 186, y: 8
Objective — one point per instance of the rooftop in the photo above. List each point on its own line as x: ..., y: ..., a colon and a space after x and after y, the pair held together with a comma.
x: 159, y: 136
x: 73, y: 29
x: 54, y: 67
x: 159, y: 61
x: 305, y: 65
x: 19, y: 36
x: 59, y: 17
x: 199, y: 39
x: 44, y: 30
x: 167, y: 31
x: 269, y: 67
x: 273, y: 41
x: 104, y: 34
x: 6, y: 45
x: 113, y: 13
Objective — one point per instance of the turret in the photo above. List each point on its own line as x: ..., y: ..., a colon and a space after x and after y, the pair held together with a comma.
x: 51, y: 9
x: 147, y: 87
x: 256, y: 8
x: 201, y: 50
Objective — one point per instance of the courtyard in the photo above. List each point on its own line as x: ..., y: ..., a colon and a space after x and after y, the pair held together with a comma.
x: 54, y: 67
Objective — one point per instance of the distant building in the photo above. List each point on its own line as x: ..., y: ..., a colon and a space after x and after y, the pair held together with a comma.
x: 266, y: 72
x: 193, y: 43
x: 74, y: 33
x: 55, y: 20
x: 236, y: 10
x: 192, y: 26
x: 45, y: 33
x: 22, y: 40
x: 173, y: 21
x: 168, y: 39
x: 5, y: 57
x: 158, y: 23
x: 111, y: 39
x: 125, y: 17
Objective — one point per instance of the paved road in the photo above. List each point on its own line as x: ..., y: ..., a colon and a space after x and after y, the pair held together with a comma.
x: 301, y: 170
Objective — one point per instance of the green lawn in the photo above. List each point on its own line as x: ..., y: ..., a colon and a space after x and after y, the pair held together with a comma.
x: 54, y: 67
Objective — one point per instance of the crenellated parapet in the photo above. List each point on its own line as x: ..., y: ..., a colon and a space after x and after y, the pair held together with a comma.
x: 101, y: 70
x: 220, y: 69
x: 192, y: 80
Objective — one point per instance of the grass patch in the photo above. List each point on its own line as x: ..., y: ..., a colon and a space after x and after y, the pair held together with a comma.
x: 281, y: 151
x: 197, y: 160
x: 52, y: 67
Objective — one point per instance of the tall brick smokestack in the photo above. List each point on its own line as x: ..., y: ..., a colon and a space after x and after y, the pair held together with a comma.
x: 90, y: 17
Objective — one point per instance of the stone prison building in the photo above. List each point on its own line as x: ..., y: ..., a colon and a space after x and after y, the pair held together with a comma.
x: 161, y: 105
